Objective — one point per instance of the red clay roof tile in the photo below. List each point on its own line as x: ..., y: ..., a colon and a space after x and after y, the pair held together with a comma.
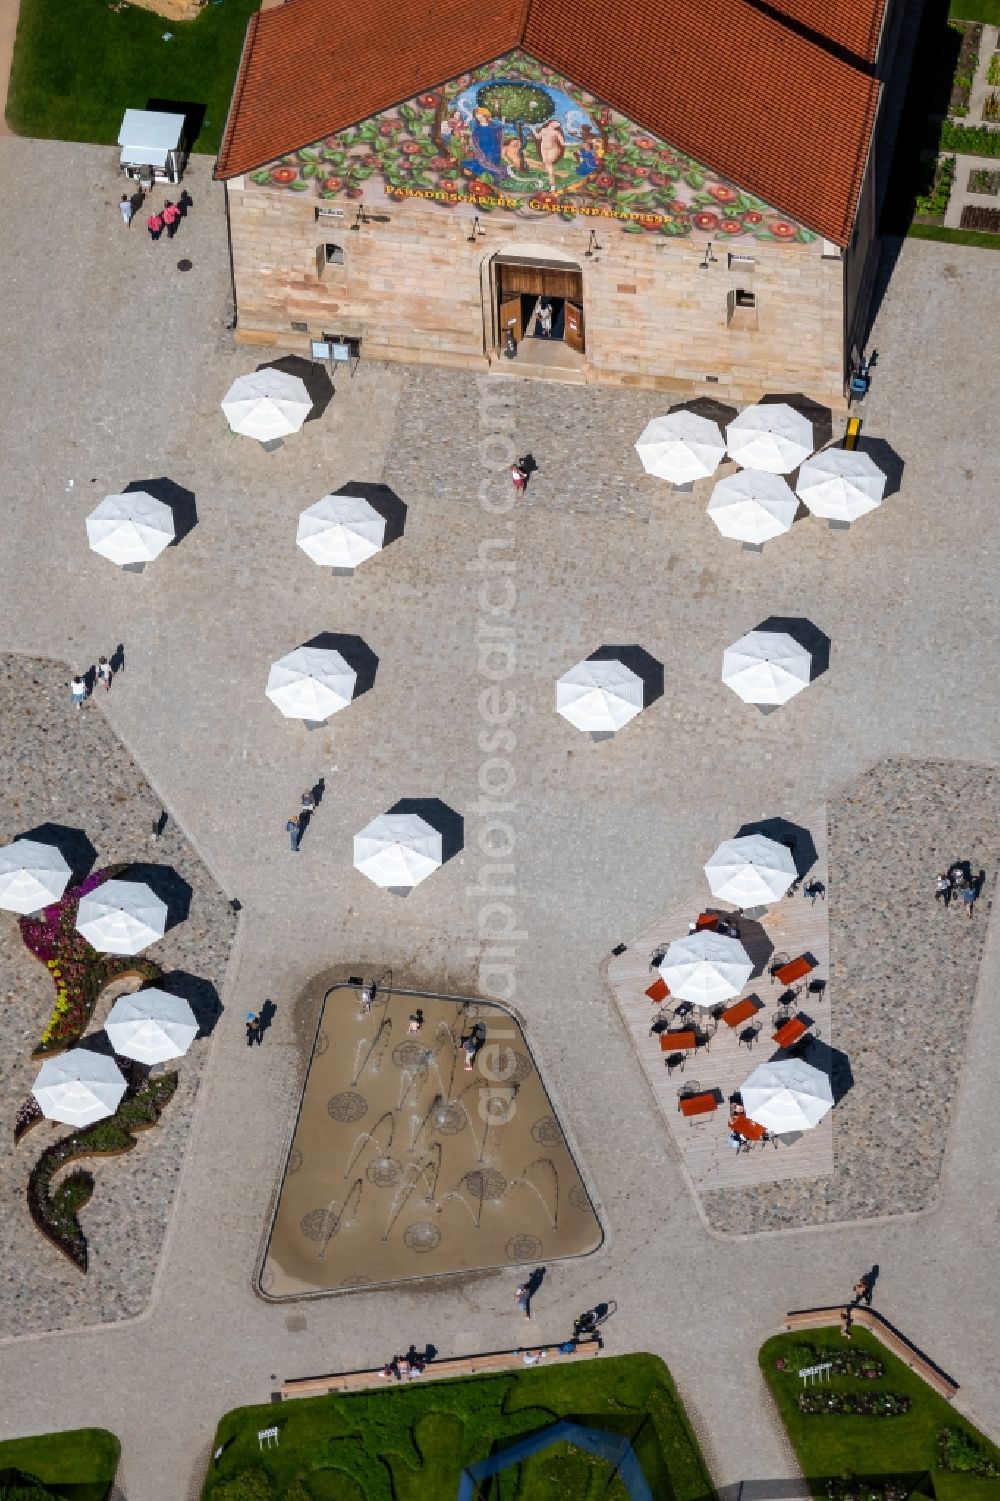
x: 731, y: 86
x: 855, y: 25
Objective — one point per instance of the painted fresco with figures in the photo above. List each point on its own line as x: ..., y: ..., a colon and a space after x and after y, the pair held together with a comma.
x: 515, y: 136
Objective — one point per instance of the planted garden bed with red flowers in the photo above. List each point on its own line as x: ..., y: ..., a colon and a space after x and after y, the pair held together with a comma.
x: 79, y: 973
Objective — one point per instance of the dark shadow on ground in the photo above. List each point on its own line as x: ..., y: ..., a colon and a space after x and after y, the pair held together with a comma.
x: 383, y: 500
x: 710, y: 407
x: 449, y: 824
x: 265, y: 1016
x: 355, y: 652
x: 816, y: 412
x: 639, y: 661
x: 165, y: 883
x: 192, y: 110
x: 888, y: 460
x: 73, y: 844
x: 830, y: 1061
x: 794, y: 836
x: 201, y: 995
x: 757, y: 944
x: 808, y: 636
x: 180, y: 501
x: 313, y: 376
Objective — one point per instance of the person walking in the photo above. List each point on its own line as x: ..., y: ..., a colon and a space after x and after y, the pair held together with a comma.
x: 545, y: 320
x: 523, y: 1299
x: 518, y: 478
x: 969, y: 893
x: 308, y: 804
x: 104, y: 673
x: 78, y: 691
x: 293, y: 828
x: 253, y: 1029
x: 126, y: 210
x: 416, y: 1020
x: 171, y: 218
x: 154, y: 224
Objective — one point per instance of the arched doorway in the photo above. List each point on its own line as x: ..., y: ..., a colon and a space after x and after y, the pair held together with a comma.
x: 535, y: 294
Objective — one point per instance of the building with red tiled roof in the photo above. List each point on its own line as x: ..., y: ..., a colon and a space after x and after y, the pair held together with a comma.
x: 690, y: 183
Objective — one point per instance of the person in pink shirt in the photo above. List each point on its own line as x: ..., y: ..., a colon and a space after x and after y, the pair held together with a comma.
x: 155, y: 226
x: 171, y: 218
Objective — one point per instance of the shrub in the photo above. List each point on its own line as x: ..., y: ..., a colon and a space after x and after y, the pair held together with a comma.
x: 981, y: 180
x: 991, y: 107
x: 958, y: 1450
x: 993, y: 71
x: 879, y: 1404
x: 55, y: 1210
x: 249, y: 1485
x: 973, y: 140
x: 934, y: 200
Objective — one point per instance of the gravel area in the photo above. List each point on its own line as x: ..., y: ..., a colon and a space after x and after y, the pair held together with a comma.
x: 65, y: 765
x: 903, y: 977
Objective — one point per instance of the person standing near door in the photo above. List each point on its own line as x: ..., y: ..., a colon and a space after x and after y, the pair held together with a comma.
x: 545, y: 320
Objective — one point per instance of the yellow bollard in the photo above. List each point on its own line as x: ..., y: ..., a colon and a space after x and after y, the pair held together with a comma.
x: 853, y: 433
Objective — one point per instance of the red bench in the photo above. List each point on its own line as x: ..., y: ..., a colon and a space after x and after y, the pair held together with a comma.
x: 678, y: 1042
x: 691, y: 1105
x: 789, y: 973
x: 741, y: 1011
x: 659, y: 990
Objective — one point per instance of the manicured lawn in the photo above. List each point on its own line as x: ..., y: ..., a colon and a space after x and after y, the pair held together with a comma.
x: 78, y: 65
x: 954, y: 236
x: 85, y: 1459
x: 346, y: 1448
x: 976, y: 10
x: 827, y: 1446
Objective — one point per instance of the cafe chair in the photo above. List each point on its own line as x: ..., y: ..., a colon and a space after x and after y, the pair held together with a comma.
x: 675, y: 1060
x: 692, y: 1087
x: 749, y: 1035
x: 778, y: 961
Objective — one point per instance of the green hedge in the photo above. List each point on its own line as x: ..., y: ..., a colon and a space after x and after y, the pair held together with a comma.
x: 972, y: 140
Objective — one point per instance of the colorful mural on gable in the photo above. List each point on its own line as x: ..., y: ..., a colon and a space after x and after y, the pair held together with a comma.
x: 513, y: 135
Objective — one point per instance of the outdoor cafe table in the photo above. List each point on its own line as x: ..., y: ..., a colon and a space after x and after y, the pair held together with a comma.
x: 697, y: 1104
x: 790, y: 1031
x: 734, y: 1016
x: 742, y: 1125
x: 678, y: 1042
x: 789, y: 973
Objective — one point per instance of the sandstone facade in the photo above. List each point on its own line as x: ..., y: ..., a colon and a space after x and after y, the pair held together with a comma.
x: 421, y: 287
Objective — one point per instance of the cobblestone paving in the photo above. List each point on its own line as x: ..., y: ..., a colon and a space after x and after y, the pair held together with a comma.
x: 66, y: 766
x: 579, y: 430
x: 903, y: 976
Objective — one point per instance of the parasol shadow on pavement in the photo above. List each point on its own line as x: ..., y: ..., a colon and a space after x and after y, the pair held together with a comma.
x: 806, y: 635
x: 795, y: 837
x: 830, y: 1061
x: 757, y: 944
x: 356, y: 653
x: 73, y: 844
x: 449, y: 824
x: 888, y: 460
x: 383, y: 500
x: 181, y: 502
x: 312, y: 375
x: 816, y: 412
x: 709, y: 407
x: 639, y: 661
x: 200, y: 994
x: 164, y: 882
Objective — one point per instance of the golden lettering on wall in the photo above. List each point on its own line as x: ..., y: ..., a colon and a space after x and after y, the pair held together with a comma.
x: 600, y: 211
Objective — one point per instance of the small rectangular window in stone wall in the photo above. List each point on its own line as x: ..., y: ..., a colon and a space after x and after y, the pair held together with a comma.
x: 975, y: 217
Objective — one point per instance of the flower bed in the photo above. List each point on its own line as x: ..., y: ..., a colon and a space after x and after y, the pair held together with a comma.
x: 993, y: 71
x: 958, y: 1450
x: 854, y: 1404
x: 970, y: 35
x: 972, y: 140
x: 933, y: 193
x: 974, y: 216
x: 981, y: 180
x: 849, y: 1362
x: 55, y: 1211
x: 79, y: 973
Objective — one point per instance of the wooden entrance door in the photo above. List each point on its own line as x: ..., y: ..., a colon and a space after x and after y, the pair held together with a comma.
x: 574, y: 326
x: 510, y: 318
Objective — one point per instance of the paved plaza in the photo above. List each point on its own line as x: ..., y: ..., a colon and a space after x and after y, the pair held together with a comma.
x: 115, y: 365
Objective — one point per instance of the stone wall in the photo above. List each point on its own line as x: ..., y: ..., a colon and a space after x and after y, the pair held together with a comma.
x: 417, y: 289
